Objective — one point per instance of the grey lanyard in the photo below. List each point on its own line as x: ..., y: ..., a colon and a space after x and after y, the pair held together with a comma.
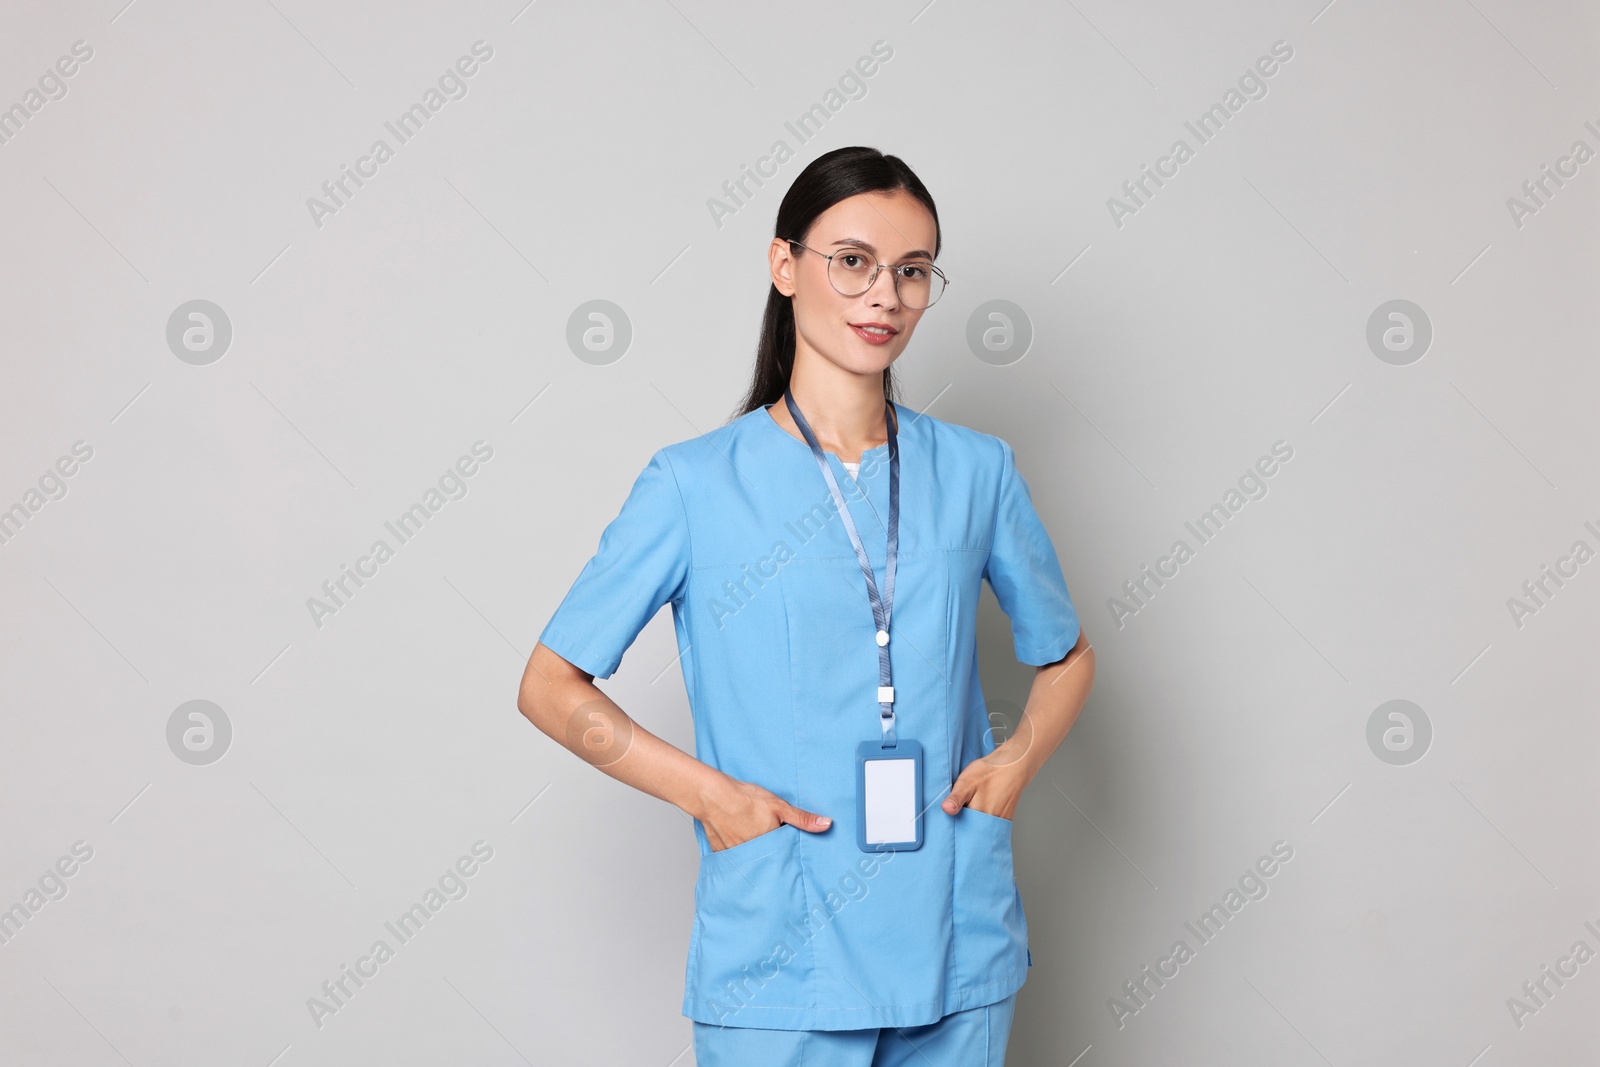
x: 881, y: 606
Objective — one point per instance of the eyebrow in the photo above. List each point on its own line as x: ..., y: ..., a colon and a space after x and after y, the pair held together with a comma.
x: 865, y: 246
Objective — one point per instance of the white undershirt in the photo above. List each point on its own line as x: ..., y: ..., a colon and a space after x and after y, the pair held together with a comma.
x: 851, y: 467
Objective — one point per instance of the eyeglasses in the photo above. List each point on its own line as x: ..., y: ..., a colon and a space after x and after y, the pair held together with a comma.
x: 852, y: 271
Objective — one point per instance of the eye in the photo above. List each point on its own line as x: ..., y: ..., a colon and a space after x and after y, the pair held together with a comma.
x: 914, y: 272
x: 851, y: 260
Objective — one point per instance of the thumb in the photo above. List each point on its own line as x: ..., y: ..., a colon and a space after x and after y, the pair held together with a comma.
x: 960, y: 793
x: 805, y: 820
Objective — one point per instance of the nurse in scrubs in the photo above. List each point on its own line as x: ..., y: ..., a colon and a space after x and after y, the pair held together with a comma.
x: 823, y: 553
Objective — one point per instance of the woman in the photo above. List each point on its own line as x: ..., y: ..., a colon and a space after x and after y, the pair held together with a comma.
x: 823, y: 554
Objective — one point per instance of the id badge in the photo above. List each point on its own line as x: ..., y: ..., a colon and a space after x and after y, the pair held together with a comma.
x: 889, y: 796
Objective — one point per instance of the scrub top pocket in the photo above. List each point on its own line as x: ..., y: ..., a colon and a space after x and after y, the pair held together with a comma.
x: 987, y: 902
x: 761, y: 842
x: 750, y: 902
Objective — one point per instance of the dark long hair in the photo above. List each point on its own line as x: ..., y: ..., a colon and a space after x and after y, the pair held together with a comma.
x: 826, y: 180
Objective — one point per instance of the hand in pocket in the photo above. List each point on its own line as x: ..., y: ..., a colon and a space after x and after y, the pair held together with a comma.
x: 742, y: 811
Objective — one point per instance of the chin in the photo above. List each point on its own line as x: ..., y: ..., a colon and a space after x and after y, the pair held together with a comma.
x: 862, y: 358
x: 877, y: 363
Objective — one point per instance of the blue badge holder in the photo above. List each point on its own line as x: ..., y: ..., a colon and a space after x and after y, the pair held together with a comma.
x: 872, y: 751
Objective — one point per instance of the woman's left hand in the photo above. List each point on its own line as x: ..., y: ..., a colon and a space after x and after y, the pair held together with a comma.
x: 992, y: 784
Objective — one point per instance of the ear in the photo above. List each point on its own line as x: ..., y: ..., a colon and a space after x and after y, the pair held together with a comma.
x: 781, y: 260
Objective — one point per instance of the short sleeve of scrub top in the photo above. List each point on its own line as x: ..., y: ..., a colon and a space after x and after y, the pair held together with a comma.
x: 641, y: 564
x: 737, y: 530
x: 1025, y: 574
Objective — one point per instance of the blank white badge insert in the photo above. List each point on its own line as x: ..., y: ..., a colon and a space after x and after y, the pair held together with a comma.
x: 891, y: 801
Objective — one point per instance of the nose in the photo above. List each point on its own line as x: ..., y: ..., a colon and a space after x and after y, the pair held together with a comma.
x: 883, y: 291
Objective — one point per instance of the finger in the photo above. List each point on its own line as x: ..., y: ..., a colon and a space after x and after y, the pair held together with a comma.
x: 805, y: 820
x: 960, y: 794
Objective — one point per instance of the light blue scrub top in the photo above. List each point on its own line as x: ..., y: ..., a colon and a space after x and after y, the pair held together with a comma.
x: 736, y: 530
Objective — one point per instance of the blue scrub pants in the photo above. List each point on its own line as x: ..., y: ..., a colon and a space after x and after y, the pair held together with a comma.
x: 973, y: 1038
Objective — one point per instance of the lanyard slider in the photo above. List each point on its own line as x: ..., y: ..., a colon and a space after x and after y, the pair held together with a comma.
x: 886, y: 694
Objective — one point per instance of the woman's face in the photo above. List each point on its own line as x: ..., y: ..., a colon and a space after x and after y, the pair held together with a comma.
x: 866, y: 333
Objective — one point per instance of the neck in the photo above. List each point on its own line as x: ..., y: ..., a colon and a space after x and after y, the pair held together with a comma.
x: 845, y: 410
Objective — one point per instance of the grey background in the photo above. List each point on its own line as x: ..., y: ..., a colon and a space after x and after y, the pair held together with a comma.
x: 431, y: 312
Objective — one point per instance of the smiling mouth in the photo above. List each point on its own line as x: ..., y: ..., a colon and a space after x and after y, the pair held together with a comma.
x: 884, y: 332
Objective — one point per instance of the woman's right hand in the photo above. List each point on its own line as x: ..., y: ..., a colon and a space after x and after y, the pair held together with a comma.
x: 736, y: 812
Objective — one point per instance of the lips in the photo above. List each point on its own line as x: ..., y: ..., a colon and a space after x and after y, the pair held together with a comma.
x: 876, y: 333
